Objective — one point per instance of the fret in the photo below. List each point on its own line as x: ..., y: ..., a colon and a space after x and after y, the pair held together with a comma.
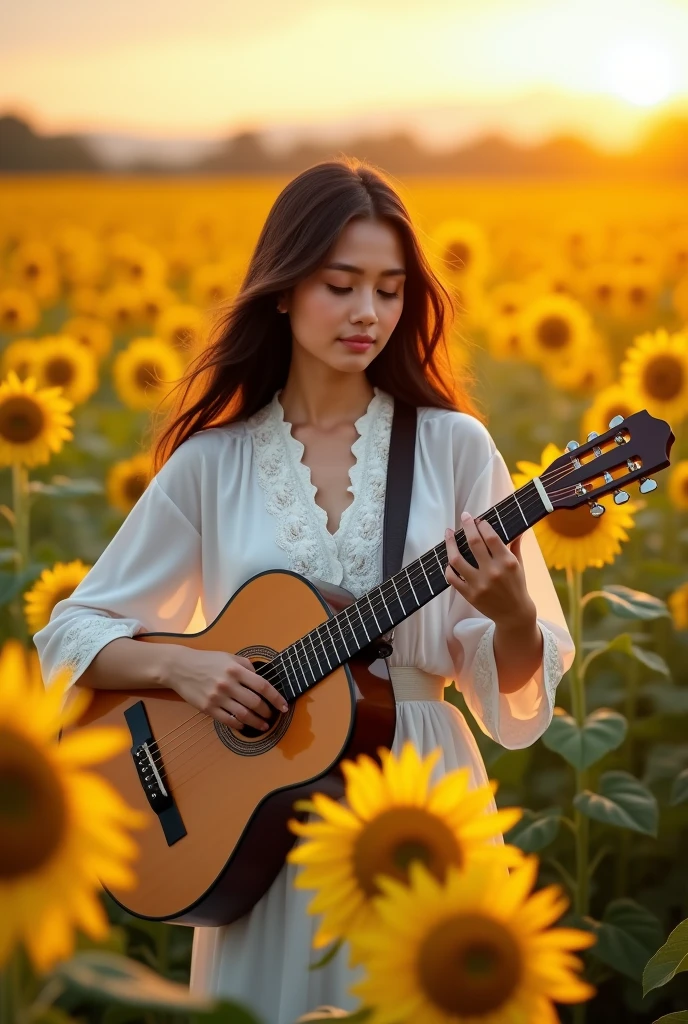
x: 308, y: 660
x: 360, y: 615
x: 403, y: 606
x: 309, y: 636
x: 336, y: 620
x: 412, y: 586
x: 380, y: 629
x: 322, y: 644
x: 287, y: 674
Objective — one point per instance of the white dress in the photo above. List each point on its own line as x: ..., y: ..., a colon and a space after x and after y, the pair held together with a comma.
x: 234, y: 501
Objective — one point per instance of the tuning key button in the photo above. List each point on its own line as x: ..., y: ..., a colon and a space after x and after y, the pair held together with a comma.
x: 592, y: 435
x: 621, y: 497
x: 572, y: 445
x: 596, y: 509
x: 616, y: 421
x: 647, y: 484
x: 608, y: 478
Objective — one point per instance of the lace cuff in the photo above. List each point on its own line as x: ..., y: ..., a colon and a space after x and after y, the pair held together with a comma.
x: 85, y: 638
x: 515, y: 719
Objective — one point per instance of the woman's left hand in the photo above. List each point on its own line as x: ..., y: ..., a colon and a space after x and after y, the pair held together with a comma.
x: 497, y: 588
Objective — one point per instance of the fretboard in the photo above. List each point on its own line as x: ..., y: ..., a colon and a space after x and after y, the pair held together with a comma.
x: 346, y: 634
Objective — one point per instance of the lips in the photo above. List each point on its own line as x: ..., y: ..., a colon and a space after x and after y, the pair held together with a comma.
x: 359, y: 339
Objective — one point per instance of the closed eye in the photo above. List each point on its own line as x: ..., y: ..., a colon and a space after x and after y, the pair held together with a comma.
x: 341, y: 291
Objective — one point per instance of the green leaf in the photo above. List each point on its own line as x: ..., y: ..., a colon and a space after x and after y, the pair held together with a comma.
x: 329, y: 955
x: 109, y: 976
x: 227, y: 1013
x: 535, y: 830
x: 626, y: 937
x: 633, y: 604
x: 624, y: 643
x: 679, y: 790
x: 603, y: 730
x: 51, y: 1015
x: 12, y: 583
x: 622, y: 801
x: 680, y: 1017
x: 670, y: 959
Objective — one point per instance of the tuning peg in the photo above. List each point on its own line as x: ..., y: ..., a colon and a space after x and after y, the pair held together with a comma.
x: 616, y: 421
x: 647, y: 484
x: 596, y: 509
x: 572, y: 445
x: 621, y: 497
x: 592, y: 435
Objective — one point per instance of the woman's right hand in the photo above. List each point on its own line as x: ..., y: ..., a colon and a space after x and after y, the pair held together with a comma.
x: 225, y: 686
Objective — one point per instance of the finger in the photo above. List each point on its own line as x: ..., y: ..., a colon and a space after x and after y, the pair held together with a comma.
x: 491, y: 539
x: 247, y: 696
x: 474, y: 539
x: 515, y: 548
x: 259, y: 684
x: 226, y: 718
x: 457, y: 566
x: 245, y: 716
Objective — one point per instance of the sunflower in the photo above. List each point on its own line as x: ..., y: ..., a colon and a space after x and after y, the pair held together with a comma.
x: 677, y: 250
x: 508, y: 299
x: 53, y: 585
x: 678, y: 606
x: 85, y: 301
x: 135, y: 262
x: 60, y: 361
x: 479, y: 948
x: 90, y: 332
x: 640, y: 249
x: 610, y: 402
x: 394, y: 816
x: 581, y: 239
x: 182, y: 255
x: 127, y: 480
x: 180, y: 326
x: 637, y: 292
x: 34, y: 267
x: 656, y: 369
x: 584, y: 370
x: 678, y: 484
x: 19, y: 356
x: 554, y: 278
x: 33, y: 422
x: 505, y: 337
x: 461, y: 249
x: 120, y: 306
x: 600, y: 284
x: 213, y: 283
x: 144, y: 372
x: 80, y: 256
x: 62, y: 825
x: 554, y: 326
x: 154, y: 298
x: 19, y: 310
x: 573, y: 538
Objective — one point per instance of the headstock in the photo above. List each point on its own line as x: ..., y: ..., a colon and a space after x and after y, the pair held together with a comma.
x: 631, y: 449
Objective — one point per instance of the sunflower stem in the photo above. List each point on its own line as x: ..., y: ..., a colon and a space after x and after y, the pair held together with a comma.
x: 11, y: 1008
x: 21, y: 503
x: 574, y: 582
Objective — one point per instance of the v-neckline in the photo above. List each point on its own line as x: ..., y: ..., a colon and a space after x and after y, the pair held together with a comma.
x: 297, y: 448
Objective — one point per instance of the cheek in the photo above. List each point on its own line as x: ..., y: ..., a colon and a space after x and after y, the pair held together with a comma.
x: 318, y: 306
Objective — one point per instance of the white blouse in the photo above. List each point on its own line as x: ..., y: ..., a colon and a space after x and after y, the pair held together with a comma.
x: 237, y: 500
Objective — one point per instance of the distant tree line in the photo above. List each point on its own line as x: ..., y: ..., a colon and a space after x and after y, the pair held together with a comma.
x: 663, y: 153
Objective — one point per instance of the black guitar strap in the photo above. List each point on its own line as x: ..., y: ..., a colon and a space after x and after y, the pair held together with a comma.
x: 402, y: 446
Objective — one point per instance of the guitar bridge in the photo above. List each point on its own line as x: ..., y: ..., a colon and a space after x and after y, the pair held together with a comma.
x: 151, y: 773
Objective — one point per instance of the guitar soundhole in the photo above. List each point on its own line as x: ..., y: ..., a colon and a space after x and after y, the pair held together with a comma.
x: 248, y: 740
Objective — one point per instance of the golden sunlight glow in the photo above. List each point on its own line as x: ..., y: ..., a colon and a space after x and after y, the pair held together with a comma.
x: 641, y: 72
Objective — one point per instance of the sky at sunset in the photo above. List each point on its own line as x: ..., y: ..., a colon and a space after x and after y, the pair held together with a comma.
x: 211, y: 67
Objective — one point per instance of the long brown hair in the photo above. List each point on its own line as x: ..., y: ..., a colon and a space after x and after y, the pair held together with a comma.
x: 247, y: 356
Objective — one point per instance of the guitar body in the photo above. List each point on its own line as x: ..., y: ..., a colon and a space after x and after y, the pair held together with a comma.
x: 210, y: 856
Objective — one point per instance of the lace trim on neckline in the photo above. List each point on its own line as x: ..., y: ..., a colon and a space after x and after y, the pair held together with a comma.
x: 348, y: 557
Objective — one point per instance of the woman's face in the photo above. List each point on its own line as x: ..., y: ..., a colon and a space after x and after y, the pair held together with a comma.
x: 358, y: 290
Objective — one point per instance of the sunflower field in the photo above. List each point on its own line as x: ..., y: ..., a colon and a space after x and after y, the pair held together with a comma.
x: 572, y: 310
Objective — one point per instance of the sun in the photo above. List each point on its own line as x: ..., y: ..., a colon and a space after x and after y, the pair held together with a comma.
x: 641, y: 72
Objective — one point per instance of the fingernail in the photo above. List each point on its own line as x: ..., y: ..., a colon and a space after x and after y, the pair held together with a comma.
x: 447, y: 532
x: 264, y: 726
x: 465, y: 516
x: 285, y: 707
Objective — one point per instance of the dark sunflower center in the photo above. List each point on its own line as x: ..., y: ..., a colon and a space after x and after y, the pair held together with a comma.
x: 32, y: 270
x: 183, y: 336
x: 59, y: 371
x: 604, y: 292
x: 11, y: 315
x: 147, y: 375
x: 554, y: 332
x: 21, y: 420
x: 216, y: 293
x: 637, y: 295
x: 33, y: 813
x: 470, y: 965
x: 389, y: 843
x: 663, y: 377
x: 457, y: 255
x: 509, y: 308
x: 134, y: 486
x: 573, y: 522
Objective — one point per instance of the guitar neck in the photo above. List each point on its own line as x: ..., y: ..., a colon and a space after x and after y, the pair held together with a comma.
x: 346, y: 634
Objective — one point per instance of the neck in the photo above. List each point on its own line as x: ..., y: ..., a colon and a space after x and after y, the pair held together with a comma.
x: 318, y: 396
x: 343, y: 636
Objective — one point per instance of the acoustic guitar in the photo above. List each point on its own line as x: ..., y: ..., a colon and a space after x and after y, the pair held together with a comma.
x: 217, y: 799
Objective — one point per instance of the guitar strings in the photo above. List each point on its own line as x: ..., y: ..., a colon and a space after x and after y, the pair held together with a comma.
x: 206, y: 718
x: 188, y: 726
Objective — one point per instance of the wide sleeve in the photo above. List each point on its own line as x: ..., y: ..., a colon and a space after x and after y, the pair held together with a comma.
x: 514, y: 719
x: 148, y: 578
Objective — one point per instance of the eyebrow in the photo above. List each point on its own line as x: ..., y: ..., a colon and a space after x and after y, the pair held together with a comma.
x: 395, y: 272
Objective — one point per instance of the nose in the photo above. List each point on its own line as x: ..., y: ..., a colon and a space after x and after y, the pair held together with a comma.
x: 365, y: 313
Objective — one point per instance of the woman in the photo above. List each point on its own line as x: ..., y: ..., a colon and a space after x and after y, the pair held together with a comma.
x: 277, y: 458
